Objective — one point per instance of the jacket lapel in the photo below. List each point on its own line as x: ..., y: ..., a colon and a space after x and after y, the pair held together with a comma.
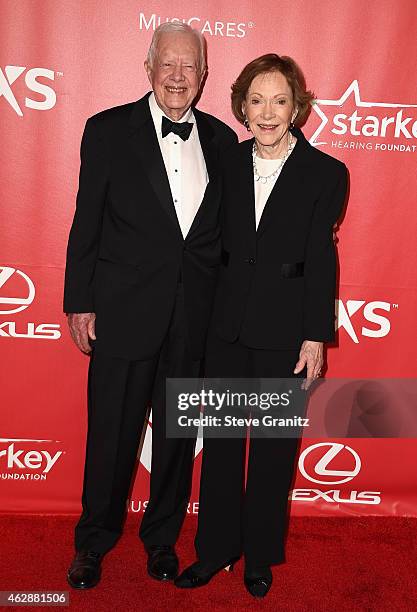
x: 144, y: 142
x: 244, y: 178
x: 210, y: 152
x: 286, y: 182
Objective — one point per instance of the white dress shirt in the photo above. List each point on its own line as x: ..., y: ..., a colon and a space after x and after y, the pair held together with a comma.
x: 185, y: 167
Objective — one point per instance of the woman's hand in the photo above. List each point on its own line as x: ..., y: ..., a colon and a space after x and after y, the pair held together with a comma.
x: 311, y: 355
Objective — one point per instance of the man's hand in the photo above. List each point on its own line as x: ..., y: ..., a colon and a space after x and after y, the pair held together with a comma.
x: 82, y: 328
x: 311, y: 355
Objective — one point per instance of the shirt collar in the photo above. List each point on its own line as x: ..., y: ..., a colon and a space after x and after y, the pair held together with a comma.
x: 157, y: 114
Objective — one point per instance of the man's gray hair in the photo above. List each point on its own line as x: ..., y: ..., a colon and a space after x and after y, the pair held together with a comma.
x: 178, y: 26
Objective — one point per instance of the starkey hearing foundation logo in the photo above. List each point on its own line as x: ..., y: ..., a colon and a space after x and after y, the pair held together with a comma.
x: 46, y: 96
x: 17, y: 292
x: 352, y: 123
x: 217, y: 28
x: 28, y: 458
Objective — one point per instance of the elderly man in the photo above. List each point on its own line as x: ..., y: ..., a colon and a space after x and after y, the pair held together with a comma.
x: 141, y: 268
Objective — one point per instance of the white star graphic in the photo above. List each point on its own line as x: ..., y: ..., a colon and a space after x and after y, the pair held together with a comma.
x: 146, y: 449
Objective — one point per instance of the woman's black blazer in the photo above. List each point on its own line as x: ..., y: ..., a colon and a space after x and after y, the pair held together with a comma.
x: 277, y: 284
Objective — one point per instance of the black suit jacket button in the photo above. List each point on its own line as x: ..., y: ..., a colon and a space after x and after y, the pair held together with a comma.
x: 251, y: 261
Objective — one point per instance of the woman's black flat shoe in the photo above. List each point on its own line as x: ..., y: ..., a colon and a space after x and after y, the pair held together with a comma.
x: 192, y: 577
x: 258, y: 586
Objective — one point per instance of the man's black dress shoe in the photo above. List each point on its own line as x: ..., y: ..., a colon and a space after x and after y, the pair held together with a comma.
x: 258, y: 581
x: 85, y: 570
x: 198, y: 575
x: 162, y: 562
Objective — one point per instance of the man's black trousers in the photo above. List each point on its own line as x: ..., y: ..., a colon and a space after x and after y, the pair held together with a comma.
x: 119, y: 392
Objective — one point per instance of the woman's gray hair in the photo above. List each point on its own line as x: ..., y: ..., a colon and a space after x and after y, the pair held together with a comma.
x: 178, y: 26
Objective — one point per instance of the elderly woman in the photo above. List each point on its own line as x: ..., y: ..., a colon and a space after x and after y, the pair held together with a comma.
x: 273, y: 310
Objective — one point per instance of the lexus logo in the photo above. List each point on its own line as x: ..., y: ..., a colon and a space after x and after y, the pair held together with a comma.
x: 10, y: 74
x: 11, y: 304
x: 381, y: 325
x: 321, y: 467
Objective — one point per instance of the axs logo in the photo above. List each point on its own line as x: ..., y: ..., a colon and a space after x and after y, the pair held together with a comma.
x: 381, y: 325
x: 10, y: 74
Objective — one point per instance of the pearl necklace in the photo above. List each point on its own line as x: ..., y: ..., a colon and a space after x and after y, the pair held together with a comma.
x: 271, y: 177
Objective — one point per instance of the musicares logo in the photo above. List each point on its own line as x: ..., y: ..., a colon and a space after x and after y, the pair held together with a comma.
x: 378, y: 130
x: 224, y: 29
x: 10, y: 74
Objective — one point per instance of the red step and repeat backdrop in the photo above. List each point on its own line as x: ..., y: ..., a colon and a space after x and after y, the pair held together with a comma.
x: 64, y: 60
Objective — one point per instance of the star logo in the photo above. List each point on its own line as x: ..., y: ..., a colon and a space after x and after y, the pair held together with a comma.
x: 353, y: 90
x: 146, y: 449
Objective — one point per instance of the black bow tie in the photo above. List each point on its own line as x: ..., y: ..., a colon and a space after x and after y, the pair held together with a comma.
x: 183, y: 130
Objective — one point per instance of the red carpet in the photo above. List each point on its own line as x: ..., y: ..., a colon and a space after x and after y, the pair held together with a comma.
x: 332, y: 564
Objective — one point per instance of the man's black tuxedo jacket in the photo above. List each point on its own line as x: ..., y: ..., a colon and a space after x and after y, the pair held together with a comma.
x: 126, y: 251
x: 277, y: 284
